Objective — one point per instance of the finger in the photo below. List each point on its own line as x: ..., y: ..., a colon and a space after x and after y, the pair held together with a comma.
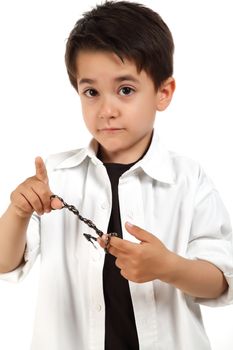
x: 56, y: 204
x: 21, y: 203
x: 115, y: 252
x: 119, y: 263
x: 44, y: 193
x: 122, y: 244
x: 124, y: 274
x: 139, y: 233
x: 29, y: 201
x: 101, y: 242
x: 41, y: 172
x: 104, y: 240
x: 112, y: 250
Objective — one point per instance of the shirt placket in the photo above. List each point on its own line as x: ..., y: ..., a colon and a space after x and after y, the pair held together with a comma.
x: 97, y: 189
x: 144, y: 303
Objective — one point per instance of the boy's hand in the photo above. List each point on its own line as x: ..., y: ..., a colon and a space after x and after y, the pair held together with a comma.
x: 150, y: 260
x: 34, y: 193
x: 147, y: 261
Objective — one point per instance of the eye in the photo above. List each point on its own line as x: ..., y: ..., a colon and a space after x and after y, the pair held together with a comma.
x: 90, y: 92
x: 126, y: 91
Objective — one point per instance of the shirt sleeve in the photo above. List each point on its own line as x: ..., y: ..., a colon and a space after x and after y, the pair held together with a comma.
x: 211, y: 236
x: 31, y: 252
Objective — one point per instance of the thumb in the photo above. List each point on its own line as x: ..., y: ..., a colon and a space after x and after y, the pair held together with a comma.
x: 139, y: 233
x: 41, y: 172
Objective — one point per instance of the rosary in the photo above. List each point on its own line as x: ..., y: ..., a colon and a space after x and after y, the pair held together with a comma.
x: 88, y: 222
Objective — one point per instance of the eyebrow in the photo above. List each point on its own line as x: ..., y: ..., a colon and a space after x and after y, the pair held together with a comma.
x: 117, y: 79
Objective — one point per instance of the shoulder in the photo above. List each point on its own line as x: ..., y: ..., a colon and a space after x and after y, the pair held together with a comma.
x: 191, y: 172
x: 184, y: 165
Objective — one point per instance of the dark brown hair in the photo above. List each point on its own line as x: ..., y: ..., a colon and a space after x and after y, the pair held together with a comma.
x: 128, y: 29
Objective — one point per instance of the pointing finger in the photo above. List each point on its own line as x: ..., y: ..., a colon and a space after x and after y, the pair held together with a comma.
x: 139, y: 233
x: 41, y: 172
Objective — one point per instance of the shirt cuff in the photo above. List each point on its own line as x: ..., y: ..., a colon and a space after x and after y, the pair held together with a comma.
x: 222, y: 258
x: 31, y: 252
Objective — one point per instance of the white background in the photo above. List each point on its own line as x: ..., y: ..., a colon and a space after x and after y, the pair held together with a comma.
x: 40, y: 114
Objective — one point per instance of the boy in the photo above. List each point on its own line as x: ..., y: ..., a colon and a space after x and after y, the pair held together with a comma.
x: 176, y: 248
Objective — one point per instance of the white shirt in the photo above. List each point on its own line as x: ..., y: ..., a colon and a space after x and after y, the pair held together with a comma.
x: 164, y: 193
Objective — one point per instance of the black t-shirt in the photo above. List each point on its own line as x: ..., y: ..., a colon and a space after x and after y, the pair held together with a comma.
x: 120, y: 327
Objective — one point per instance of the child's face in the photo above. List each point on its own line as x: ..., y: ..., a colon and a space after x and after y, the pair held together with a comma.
x: 118, y: 104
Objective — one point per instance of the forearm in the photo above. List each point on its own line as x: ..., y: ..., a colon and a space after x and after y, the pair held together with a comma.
x: 198, y: 278
x: 12, y: 239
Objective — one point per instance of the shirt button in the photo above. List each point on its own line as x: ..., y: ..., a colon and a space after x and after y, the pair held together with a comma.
x: 98, y: 308
x: 130, y: 216
x: 104, y: 205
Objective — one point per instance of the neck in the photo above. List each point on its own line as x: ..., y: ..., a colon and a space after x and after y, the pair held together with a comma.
x: 127, y: 156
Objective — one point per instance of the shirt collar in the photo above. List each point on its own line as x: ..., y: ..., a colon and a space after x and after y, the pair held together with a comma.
x: 156, y: 163
x: 76, y: 157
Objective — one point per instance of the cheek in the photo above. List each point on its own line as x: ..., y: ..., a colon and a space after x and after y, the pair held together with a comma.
x: 88, y: 115
x: 143, y: 114
x: 89, y: 124
x: 149, y: 111
x: 89, y: 108
x: 146, y: 104
x: 87, y: 120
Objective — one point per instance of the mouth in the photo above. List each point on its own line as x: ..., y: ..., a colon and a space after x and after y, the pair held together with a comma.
x: 110, y: 130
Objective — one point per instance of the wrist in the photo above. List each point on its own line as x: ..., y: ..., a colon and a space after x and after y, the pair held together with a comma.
x: 171, y: 270
x: 18, y: 214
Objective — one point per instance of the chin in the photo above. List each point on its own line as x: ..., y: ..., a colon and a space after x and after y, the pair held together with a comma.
x: 112, y: 144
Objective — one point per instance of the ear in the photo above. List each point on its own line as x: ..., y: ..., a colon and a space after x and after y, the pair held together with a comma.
x: 165, y: 93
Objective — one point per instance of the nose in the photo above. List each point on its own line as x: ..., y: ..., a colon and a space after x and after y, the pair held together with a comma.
x: 108, y: 108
